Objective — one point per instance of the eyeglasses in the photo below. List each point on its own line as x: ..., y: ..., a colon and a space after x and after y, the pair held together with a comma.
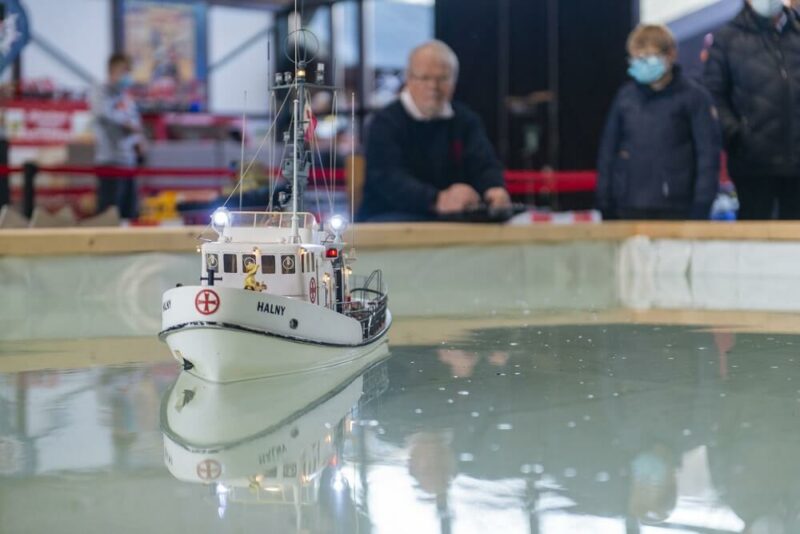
x: 438, y: 80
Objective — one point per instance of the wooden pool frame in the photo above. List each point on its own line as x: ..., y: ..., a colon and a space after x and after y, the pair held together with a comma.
x: 76, y: 241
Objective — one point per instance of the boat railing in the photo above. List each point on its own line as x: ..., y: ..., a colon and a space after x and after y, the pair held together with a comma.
x: 270, y: 219
x: 368, y: 302
x: 373, y: 283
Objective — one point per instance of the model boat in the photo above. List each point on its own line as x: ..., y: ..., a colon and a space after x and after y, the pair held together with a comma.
x: 276, y: 294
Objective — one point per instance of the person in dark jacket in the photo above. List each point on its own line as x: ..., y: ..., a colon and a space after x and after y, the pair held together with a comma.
x: 753, y: 72
x: 660, y: 151
x: 427, y: 156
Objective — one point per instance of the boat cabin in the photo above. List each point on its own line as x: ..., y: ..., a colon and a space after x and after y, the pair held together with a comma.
x: 255, y: 251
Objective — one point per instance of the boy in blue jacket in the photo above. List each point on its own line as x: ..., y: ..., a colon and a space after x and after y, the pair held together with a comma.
x: 660, y: 152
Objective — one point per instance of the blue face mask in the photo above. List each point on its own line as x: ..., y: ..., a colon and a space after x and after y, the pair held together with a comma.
x: 647, y: 70
x: 767, y: 8
x: 125, y: 82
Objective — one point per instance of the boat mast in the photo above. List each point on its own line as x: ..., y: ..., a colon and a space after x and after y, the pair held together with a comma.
x: 295, y: 229
x: 241, y: 160
x: 299, y: 121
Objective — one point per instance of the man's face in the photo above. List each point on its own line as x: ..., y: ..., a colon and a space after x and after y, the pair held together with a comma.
x: 431, y: 82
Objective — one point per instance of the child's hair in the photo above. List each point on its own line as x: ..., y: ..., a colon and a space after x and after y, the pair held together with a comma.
x: 655, y: 36
x: 118, y: 58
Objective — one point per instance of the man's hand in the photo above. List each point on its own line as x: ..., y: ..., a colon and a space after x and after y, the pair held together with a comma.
x: 497, y: 197
x: 456, y: 198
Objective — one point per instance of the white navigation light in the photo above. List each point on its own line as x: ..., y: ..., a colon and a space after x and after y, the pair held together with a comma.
x: 337, y: 224
x: 220, y: 219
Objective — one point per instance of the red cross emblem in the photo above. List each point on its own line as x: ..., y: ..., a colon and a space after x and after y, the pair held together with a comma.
x: 209, y: 470
x: 206, y: 302
x: 312, y: 291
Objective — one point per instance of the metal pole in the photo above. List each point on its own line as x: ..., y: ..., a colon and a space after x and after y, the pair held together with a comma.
x: 301, y: 134
x: 5, y: 196
x: 554, y: 74
x: 361, y: 82
x: 117, y: 25
x: 353, y: 170
x: 338, y: 276
x: 503, y: 77
x: 295, y: 230
x: 29, y: 170
x: 555, y: 86
x: 241, y: 160
x: 16, y: 68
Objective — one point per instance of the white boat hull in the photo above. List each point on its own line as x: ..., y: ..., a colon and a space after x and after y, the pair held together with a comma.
x: 251, y: 335
x: 222, y: 354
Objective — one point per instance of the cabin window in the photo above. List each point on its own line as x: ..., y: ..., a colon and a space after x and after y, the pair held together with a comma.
x: 313, y: 263
x: 212, y: 262
x: 287, y: 264
x: 268, y: 264
x: 304, y: 262
x: 229, y: 263
x: 247, y: 261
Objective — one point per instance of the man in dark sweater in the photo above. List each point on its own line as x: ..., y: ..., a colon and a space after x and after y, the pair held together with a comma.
x: 753, y: 72
x: 428, y: 157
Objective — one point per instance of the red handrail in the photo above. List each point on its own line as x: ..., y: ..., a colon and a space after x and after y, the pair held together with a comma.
x: 537, y: 182
x: 518, y: 182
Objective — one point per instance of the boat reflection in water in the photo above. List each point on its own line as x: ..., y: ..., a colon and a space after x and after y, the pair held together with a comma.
x: 275, y: 440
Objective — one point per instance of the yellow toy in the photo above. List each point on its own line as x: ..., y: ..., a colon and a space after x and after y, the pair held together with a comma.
x: 250, y: 282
